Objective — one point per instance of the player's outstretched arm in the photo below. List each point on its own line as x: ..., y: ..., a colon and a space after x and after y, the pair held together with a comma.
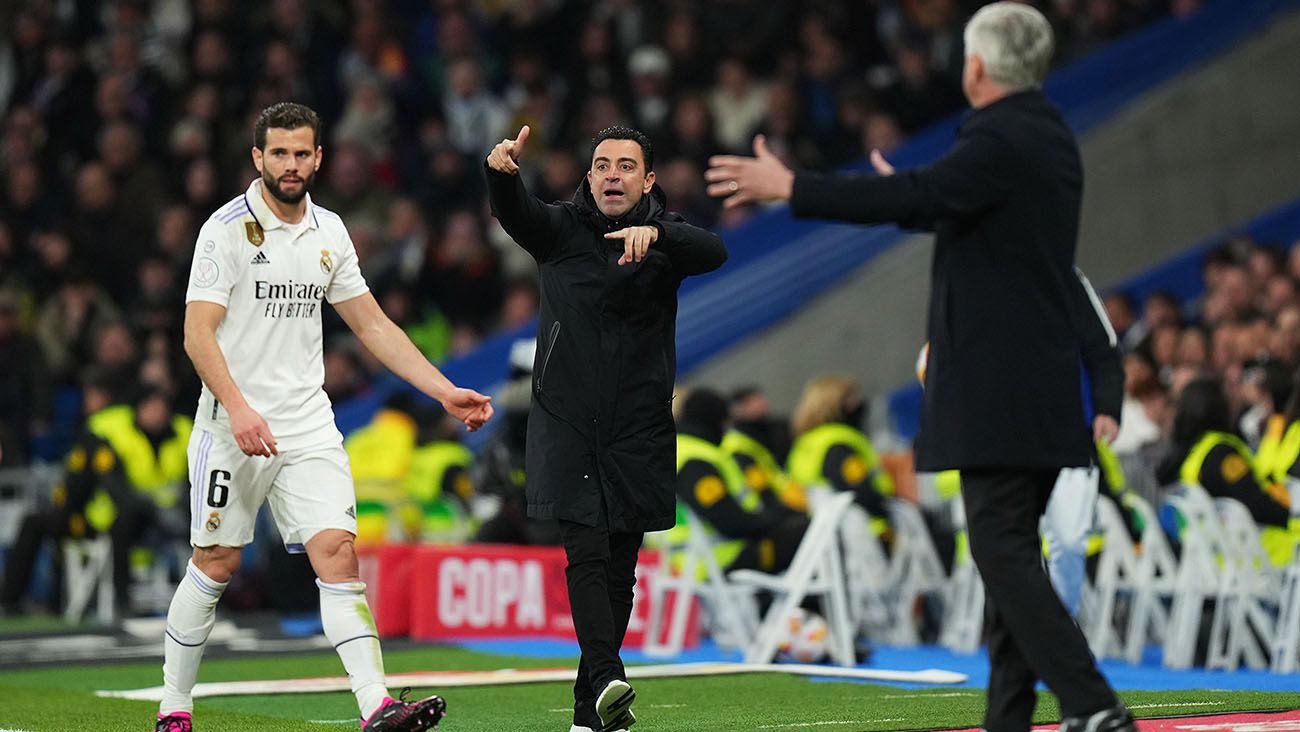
x: 398, y: 354
x: 251, y: 431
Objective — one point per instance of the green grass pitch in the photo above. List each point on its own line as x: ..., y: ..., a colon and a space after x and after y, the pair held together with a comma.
x: 62, y: 700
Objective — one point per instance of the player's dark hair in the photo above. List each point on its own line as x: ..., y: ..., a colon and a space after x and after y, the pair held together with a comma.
x: 286, y: 116
x: 619, y: 132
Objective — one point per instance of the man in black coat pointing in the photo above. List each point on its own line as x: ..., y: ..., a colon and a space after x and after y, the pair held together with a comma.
x: 601, y: 448
x: 1002, y: 395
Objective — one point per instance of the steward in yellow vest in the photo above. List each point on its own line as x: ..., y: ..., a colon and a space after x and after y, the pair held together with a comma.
x: 1222, y: 464
x: 440, y: 486
x: 830, y: 448
x: 91, y: 471
x: 149, y: 441
x: 712, y: 485
x: 380, y: 453
x: 763, y: 475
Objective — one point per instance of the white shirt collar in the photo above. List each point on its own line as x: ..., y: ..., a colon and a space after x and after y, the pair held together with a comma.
x: 265, y: 217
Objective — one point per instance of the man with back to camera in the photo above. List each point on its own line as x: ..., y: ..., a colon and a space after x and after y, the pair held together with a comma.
x: 265, y: 428
x: 600, y: 452
x: 1002, y: 398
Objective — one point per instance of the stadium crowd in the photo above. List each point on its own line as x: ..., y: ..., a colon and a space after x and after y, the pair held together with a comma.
x: 124, y: 124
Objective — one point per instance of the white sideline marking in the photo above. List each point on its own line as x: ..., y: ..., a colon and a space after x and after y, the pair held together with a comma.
x: 827, y: 724
x: 931, y: 696
x: 1184, y: 704
x: 453, y: 679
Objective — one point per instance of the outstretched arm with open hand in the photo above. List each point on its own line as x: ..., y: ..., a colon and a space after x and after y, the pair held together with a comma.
x: 760, y: 179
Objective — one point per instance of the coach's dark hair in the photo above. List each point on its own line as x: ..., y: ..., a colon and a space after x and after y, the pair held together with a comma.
x: 286, y: 116
x: 619, y: 132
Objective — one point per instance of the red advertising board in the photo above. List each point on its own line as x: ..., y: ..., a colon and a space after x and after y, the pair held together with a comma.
x: 486, y: 591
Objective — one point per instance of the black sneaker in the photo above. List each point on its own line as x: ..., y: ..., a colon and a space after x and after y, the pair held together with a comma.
x: 613, y: 706
x: 178, y: 722
x: 1114, y: 719
x: 400, y: 715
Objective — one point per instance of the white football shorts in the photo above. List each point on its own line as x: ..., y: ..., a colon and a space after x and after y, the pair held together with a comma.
x: 309, y: 490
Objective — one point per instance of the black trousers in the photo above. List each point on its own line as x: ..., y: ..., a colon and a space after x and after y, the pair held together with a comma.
x: 1031, y: 636
x: 601, y: 575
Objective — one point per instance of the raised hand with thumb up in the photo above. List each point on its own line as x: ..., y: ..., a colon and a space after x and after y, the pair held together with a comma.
x: 504, y: 157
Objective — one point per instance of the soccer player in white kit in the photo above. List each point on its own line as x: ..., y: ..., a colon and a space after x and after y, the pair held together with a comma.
x: 264, y: 264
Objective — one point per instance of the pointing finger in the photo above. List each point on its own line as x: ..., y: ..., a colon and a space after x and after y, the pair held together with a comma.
x: 521, y: 138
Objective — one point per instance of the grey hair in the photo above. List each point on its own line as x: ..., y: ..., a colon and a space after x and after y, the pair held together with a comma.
x: 1015, y: 43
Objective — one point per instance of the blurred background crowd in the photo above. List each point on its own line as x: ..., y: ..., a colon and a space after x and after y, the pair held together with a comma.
x: 125, y: 123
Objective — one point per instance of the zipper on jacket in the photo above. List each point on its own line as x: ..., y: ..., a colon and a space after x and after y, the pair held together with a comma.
x: 550, y: 348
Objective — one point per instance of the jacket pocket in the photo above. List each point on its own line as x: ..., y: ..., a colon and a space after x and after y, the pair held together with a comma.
x: 546, y: 357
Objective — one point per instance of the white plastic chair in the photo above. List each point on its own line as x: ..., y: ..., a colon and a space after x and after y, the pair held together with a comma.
x: 87, y: 575
x: 1244, y: 626
x: 1286, y: 641
x: 1154, y: 580
x: 732, y: 613
x: 816, y: 570
x: 1116, y: 577
x: 963, y: 606
x: 915, y: 570
x: 1198, y: 576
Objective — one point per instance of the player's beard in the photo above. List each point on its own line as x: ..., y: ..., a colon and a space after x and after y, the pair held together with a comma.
x: 273, y: 185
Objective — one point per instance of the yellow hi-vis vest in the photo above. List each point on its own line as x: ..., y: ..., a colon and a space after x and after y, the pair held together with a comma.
x: 380, y: 454
x: 691, y: 448
x: 787, y: 491
x: 436, y: 517
x: 1279, y: 449
x: 1279, y: 543
x: 156, y: 474
x: 808, y: 455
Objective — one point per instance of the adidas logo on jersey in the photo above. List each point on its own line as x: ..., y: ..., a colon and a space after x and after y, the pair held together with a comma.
x: 351, y: 512
x: 261, y: 258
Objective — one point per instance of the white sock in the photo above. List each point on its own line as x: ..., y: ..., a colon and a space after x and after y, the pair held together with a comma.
x: 351, y: 628
x: 189, y: 620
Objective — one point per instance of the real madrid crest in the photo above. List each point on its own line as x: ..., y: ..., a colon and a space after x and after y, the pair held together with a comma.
x: 254, y: 232
x: 214, y: 521
x: 326, y: 264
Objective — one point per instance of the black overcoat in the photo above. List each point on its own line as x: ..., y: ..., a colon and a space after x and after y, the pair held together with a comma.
x: 601, y: 440
x: 1002, y: 389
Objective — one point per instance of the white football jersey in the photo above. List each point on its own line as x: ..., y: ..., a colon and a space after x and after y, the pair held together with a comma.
x: 274, y: 278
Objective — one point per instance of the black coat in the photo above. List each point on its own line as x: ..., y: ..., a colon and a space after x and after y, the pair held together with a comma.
x: 1002, y: 388
x: 602, y: 447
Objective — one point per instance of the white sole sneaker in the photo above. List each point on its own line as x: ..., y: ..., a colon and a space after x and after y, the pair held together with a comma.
x: 614, y: 701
